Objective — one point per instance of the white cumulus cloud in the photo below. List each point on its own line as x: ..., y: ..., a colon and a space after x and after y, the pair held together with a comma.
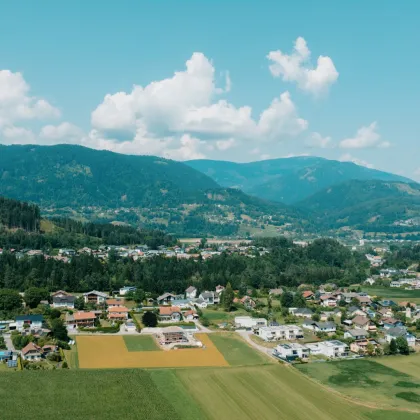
x: 366, y: 137
x: 317, y: 141
x: 349, y: 158
x: 296, y: 67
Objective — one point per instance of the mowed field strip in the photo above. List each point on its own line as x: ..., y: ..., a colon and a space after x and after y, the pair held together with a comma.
x: 103, y: 352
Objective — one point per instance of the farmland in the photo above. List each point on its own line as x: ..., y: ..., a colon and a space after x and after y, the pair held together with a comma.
x: 382, y: 384
x: 263, y: 392
x: 409, y: 365
x: 140, y: 343
x: 111, y: 352
x: 394, y: 293
x: 235, y: 351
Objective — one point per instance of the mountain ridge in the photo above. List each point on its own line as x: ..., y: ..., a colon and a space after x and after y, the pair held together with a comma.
x: 287, y: 180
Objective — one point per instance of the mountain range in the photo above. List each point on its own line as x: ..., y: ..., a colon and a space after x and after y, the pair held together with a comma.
x: 287, y: 180
x: 203, y: 197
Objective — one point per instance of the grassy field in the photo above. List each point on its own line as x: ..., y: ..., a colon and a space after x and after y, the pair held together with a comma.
x: 236, y: 351
x: 369, y: 381
x: 219, y: 316
x: 398, y: 295
x: 140, y: 343
x: 406, y: 364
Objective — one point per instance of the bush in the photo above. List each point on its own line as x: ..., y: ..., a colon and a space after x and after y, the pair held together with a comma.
x: 63, y: 345
x: 54, y: 357
x: 65, y: 365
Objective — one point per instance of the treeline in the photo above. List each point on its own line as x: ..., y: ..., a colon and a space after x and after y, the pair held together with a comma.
x: 286, y: 265
x: 16, y: 214
x: 115, y: 234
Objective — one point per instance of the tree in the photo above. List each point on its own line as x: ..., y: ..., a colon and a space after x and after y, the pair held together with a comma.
x: 316, y: 317
x: 34, y: 295
x: 139, y: 296
x: 227, y: 297
x: 370, y: 349
x: 286, y: 300
x: 393, y: 348
x: 79, y: 303
x: 2, y: 344
x: 402, y: 345
x: 59, y: 330
x: 149, y: 319
x: 418, y: 325
x: 298, y: 300
x: 10, y: 300
x: 54, y: 313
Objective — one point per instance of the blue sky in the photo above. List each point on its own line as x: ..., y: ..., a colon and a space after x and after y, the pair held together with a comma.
x: 103, y: 75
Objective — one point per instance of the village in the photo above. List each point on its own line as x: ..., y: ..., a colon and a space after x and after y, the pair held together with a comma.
x: 304, y: 325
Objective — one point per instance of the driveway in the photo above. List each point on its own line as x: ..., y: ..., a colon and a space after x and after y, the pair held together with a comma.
x: 246, y: 335
x: 8, y: 341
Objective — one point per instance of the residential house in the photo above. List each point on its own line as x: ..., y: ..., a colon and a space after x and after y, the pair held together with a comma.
x: 364, y: 300
x: 364, y: 323
x: 219, y: 289
x: 95, y: 297
x: 387, y: 303
x: 190, y: 315
x: 332, y: 348
x: 301, y: 312
x: 63, y: 299
x: 328, y: 301
x: 308, y: 294
x: 127, y: 289
x: 191, y: 292
x: 281, y: 332
x: 118, y: 313
x: 82, y: 319
x: 291, y: 351
x: 347, y: 297
x: 165, y: 299
x: 208, y: 297
x: 249, y: 322
x: 354, y: 311
x: 356, y: 334
x: 389, y: 323
x: 115, y: 302
x: 248, y: 302
x: 49, y: 348
x: 394, y: 333
x: 200, y: 303
x: 385, y: 312
x: 31, y: 352
x: 170, y: 313
x: 172, y: 334
x: 34, y: 322
x: 361, y: 346
x: 325, y: 327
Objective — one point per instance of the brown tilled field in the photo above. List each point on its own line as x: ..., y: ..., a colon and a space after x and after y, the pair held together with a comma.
x: 103, y: 352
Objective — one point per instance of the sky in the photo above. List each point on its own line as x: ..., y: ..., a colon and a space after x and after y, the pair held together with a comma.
x: 225, y: 80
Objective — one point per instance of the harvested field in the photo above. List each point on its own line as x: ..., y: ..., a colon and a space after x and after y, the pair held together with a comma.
x: 406, y: 364
x: 111, y: 352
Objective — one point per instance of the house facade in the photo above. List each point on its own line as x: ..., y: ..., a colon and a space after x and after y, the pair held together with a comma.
x: 281, y: 332
x: 332, y: 348
x: 170, y: 313
x: 191, y: 292
x: 291, y: 351
x: 118, y: 313
x: 63, y: 299
x: 81, y: 319
x: 249, y: 322
x: 34, y: 322
x: 95, y: 297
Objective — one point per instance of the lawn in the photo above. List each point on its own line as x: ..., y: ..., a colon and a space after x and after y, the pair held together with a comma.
x: 368, y: 381
x: 140, y: 343
x: 236, y: 351
x: 219, y: 316
x: 72, y: 357
x: 394, y: 293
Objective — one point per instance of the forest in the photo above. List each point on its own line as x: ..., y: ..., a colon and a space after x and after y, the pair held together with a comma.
x: 18, y: 215
x: 324, y: 260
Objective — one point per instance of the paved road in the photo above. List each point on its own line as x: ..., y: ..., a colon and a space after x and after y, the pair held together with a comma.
x: 8, y: 341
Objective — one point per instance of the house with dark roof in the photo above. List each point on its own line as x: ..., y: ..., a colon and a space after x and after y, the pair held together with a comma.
x: 301, y: 312
x: 394, y: 333
x: 208, y: 297
x: 165, y: 299
x: 356, y: 334
x: 325, y: 327
x: 95, y: 297
x: 62, y: 299
x: 191, y: 292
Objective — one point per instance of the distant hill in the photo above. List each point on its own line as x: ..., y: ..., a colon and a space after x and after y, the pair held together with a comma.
x: 91, y: 185
x: 67, y: 175
x: 371, y: 204
x: 287, y: 180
